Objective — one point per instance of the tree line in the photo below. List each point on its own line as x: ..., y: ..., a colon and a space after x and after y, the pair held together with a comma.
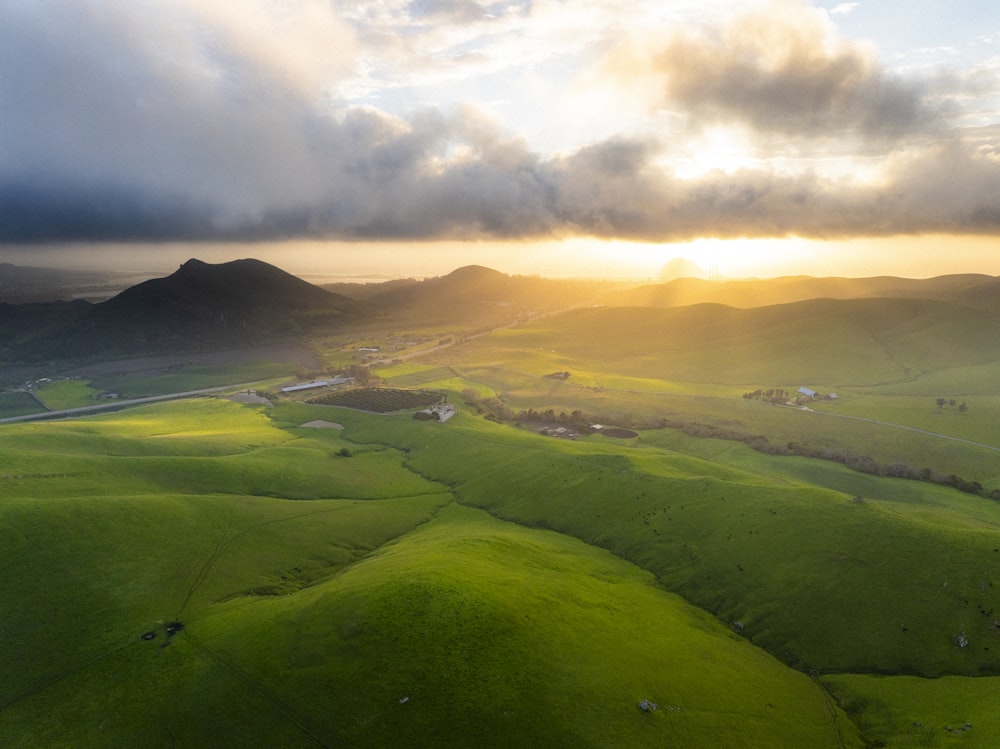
x: 495, y: 409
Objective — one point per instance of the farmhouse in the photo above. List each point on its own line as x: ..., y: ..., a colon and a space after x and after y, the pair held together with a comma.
x: 804, y: 391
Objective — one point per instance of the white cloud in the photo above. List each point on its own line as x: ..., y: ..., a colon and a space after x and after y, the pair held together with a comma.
x: 843, y: 9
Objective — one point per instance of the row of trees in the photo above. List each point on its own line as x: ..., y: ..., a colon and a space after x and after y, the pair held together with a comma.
x: 495, y: 409
x: 863, y: 463
x: 772, y: 395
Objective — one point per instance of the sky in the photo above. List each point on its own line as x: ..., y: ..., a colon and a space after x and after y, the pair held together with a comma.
x: 409, y: 137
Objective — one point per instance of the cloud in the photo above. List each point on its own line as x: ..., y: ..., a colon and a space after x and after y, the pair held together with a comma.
x: 780, y: 69
x: 843, y: 9
x: 180, y: 120
x: 168, y: 99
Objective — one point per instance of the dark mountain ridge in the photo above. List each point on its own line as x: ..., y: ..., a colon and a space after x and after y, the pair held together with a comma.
x: 200, y: 306
x: 245, y: 302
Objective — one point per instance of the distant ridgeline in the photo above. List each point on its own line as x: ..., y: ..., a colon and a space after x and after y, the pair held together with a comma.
x: 246, y: 302
x: 198, y: 307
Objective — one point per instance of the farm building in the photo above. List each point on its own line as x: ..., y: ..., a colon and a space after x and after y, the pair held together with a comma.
x: 316, y: 384
x: 807, y: 392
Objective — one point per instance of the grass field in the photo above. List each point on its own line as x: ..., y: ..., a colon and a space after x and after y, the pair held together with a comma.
x: 191, y: 377
x: 17, y: 403
x: 902, y: 711
x: 475, y: 583
x: 613, y: 399
x: 746, y: 538
x: 303, y: 626
x: 62, y: 394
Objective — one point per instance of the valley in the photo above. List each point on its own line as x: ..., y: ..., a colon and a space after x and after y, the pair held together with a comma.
x: 722, y: 571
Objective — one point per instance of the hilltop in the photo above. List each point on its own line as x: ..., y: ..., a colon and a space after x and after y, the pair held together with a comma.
x: 973, y: 290
x: 474, y: 296
x: 198, y: 307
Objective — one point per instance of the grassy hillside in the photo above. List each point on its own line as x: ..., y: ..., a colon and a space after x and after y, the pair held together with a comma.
x: 968, y: 289
x: 793, y: 557
x: 302, y: 626
x: 203, y: 573
x: 902, y: 711
x: 330, y: 600
x: 889, y: 360
x: 829, y: 342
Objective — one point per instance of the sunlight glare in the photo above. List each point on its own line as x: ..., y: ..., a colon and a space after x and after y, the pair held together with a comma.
x: 721, y: 148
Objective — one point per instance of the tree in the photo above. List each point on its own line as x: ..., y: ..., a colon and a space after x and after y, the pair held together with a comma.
x: 362, y: 375
x: 941, y: 402
x: 963, y: 408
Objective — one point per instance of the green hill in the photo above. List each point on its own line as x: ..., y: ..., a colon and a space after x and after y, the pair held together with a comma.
x: 203, y: 573
x: 822, y: 341
x: 969, y: 289
x: 360, y: 620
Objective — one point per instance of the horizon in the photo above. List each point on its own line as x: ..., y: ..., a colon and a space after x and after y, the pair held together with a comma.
x: 925, y: 257
x: 777, y: 137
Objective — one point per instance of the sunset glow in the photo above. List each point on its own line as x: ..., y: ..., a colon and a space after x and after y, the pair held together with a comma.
x: 754, y: 138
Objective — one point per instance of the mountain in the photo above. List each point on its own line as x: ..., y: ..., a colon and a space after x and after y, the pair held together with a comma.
x: 475, y: 296
x: 969, y: 289
x: 200, y: 306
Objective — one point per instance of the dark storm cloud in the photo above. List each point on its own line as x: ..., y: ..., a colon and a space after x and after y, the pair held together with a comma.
x: 108, y: 103
x: 159, y: 125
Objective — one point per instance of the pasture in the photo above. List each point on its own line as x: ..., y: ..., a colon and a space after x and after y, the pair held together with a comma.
x: 326, y: 600
x: 17, y: 403
x: 476, y: 583
x: 892, y: 428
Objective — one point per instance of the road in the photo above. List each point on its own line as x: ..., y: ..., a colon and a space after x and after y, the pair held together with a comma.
x: 114, y: 405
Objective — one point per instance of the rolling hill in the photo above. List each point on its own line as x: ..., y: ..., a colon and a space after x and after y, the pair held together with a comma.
x: 826, y: 341
x: 205, y: 573
x: 241, y: 582
x: 473, y: 296
x: 973, y: 290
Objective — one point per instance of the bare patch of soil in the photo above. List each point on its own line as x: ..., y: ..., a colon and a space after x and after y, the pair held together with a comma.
x: 321, y: 424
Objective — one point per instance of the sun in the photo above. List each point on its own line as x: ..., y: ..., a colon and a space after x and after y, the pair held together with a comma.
x: 720, y: 148
x: 749, y: 257
x: 707, y: 257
